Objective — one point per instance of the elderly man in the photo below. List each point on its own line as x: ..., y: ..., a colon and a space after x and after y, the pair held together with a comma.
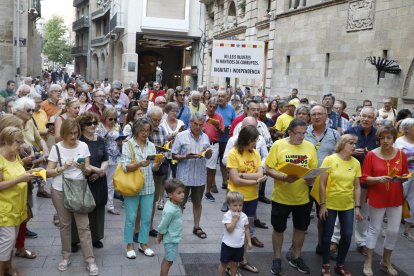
x: 50, y: 104
x: 114, y: 101
x: 134, y: 88
x: 9, y: 91
x: 191, y: 148
x: 144, y: 103
x: 98, y: 105
x: 324, y: 139
x: 155, y: 92
x: 183, y: 109
x: 283, y: 121
x: 228, y: 114
x: 23, y: 90
x: 161, y: 102
x: 291, y: 193
x: 387, y: 112
x: 214, y: 128
x: 195, y: 104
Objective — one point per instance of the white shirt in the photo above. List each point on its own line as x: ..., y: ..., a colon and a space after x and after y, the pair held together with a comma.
x: 236, y: 238
x: 169, y: 130
x: 71, y: 172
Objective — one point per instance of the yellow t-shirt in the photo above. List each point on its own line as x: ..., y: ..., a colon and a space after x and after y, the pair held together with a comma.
x: 31, y: 135
x: 340, y: 186
x: 248, y: 162
x: 201, y: 108
x: 283, y: 121
x: 296, y: 193
x: 13, y: 200
x: 40, y: 119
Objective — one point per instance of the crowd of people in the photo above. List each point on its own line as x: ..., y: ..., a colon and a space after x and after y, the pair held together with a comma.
x: 82, y: 131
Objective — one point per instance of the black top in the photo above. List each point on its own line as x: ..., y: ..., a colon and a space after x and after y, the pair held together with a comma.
x: 99, y: 187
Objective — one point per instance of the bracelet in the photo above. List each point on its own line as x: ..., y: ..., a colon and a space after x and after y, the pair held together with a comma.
x: 357, y: 206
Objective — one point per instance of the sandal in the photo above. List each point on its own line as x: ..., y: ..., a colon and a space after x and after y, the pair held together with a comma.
x: 248, y: 267
x: 56, y: 220
x: 160, y: 205
x: 340, y: 270
x: 199, y: 232
x: 25, y: 254
x: 228, y: 271
x: 326, y: 270
x: 388, y: 270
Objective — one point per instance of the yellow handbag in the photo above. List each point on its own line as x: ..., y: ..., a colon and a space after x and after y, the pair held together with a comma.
x: 128, y: 183
x: 406, y: 210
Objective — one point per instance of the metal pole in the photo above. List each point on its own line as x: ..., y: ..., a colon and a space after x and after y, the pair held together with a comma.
x: 18, y: 41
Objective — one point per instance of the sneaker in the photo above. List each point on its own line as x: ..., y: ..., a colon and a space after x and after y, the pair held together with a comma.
x: 30, y: 235
x: 276, y: 267
x: 210, y: 197
x: 300, y: 265
x: 225, y: 207
x: 93, y: 269
x: 409, y: 236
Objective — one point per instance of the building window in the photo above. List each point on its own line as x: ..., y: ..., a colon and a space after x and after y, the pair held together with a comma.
x: 385, y: 56
x: 327, y: 64
x: 287, y: 65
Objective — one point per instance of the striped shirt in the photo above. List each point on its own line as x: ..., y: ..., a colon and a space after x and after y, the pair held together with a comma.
x: 140, y: 155
x: 192, y: 172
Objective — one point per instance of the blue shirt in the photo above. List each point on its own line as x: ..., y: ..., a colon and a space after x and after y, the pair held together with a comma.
x: 325, y: 145
x: 171, y: 225
x: 192, y: 172
x: 334, y: 120
x: 184, y: 115
x: 369, y: 141
x: 228, y: 115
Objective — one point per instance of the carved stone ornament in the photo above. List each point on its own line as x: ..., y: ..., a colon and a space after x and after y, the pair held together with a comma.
x: 360, y: 15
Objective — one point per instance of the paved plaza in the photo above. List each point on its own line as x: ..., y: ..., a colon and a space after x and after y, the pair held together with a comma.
x: 198, y: 257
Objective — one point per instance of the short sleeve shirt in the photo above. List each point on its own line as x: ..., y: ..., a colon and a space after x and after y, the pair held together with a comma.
x: 236, y: 238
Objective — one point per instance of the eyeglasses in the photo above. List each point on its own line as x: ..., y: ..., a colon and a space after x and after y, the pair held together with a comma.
x: 30, y: 110
x: 112, y: 119
x: 95, y: 123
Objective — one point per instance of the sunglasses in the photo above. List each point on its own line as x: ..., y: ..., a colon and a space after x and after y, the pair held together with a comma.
x: 95, y: 123
x: 30, y: 110
x: 112, y: 119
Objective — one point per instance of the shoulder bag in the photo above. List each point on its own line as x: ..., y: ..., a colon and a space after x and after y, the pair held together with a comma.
x: 128, y: 183
x: 77, y: 196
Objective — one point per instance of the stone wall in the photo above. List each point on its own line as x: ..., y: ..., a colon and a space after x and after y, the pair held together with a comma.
x: 349, y: 31
x: 6, y: 42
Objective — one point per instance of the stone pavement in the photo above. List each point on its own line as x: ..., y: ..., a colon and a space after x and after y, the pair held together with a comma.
x: 198, y: 257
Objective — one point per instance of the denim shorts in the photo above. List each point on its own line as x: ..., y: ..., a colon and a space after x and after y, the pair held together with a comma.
x: 171, y: 251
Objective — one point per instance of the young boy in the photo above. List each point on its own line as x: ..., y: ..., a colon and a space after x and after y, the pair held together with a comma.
x: 236, y: 232
x: 170, y: 230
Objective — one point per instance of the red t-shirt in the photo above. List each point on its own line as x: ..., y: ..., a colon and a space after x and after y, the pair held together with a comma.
x: 235, y: 122
x: 383, y: 195
x: 152, y: 95
x: 211, y: 130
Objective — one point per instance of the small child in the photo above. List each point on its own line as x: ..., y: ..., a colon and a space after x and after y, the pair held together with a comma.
x: 236, y: 232
x: 170, y: 230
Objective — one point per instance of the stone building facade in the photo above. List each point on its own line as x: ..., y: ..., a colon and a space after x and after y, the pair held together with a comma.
x: 321, y: 46
x: 128, y: 39
x: 30, y: 41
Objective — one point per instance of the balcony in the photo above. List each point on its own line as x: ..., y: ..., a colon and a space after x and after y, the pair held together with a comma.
x: 100, y: 12
x: 81, y: 24
x: 77, y: 3
x: 80, y: 51
x: 115, y: 25
x: 102, y: 39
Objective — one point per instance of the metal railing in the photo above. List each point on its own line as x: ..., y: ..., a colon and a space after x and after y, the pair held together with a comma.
x: 77, y: 3
x: 81, y: 23
x: 99, y: 12
x: 115, y: 25
x: 79, y: 50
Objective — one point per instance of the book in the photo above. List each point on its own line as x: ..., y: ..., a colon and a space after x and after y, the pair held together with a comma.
x: 299, y: 171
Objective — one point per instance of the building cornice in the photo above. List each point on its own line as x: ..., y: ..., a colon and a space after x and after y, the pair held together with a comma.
x: 263, y: 24
x: 235, y: 31
x: 315, y: 7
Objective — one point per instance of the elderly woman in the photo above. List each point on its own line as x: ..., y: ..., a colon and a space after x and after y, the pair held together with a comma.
x: 97, y: 180
x: 339, y: 196
x: 406, y: 143
x: 23, y: 109
x: 13, y: 194
x: 71, y: 110
x: 303, y: 113
x: 171, y: 124
x: 109, y: 130
x: 134, y: 113
x: 381, y: 174
x: 145, y: 198
x: 236, y: 104
x: 63, y: 162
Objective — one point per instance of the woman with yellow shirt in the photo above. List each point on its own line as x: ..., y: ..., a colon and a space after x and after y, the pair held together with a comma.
x: 13, y: 194
x: 245, y: 172
x: 339, y: 195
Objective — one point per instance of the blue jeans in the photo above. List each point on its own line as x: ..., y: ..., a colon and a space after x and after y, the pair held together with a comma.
x: 131, y: 204
x: 346, y: 221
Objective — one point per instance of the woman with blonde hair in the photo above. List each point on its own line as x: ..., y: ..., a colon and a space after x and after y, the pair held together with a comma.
x: 13, y: 194
x: 339, y: 196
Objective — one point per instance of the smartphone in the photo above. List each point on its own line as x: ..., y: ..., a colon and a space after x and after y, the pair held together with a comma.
x: 151, y: 157
x: 80, y: 160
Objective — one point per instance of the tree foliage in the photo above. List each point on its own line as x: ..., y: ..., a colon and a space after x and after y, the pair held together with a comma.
x: 55, y: 45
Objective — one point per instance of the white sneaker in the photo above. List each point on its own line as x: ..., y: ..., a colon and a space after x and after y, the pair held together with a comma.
x: 63, y: 265
x: 93, y: 269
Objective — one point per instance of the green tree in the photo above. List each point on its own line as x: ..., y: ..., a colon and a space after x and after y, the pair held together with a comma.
x: 55, y: 45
